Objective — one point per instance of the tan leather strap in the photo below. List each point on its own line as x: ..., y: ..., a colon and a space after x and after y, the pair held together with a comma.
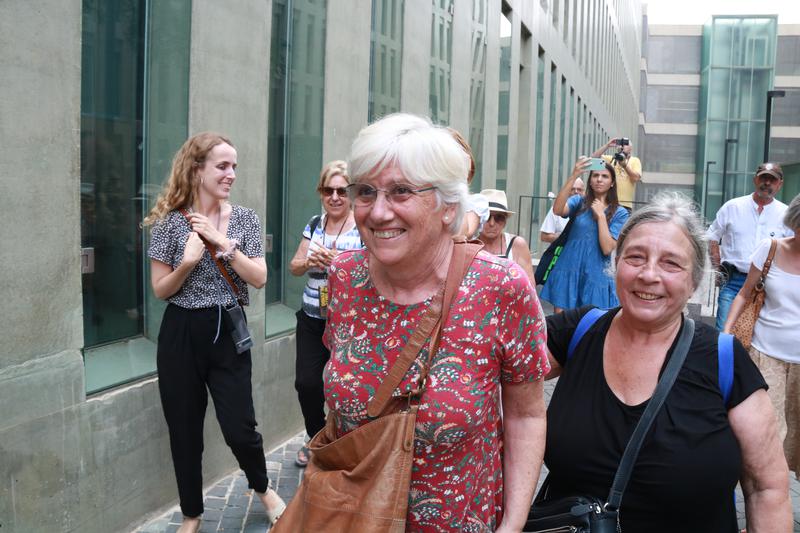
x: 213, y: 253
x: 768, y: 263
x: 463, y: 254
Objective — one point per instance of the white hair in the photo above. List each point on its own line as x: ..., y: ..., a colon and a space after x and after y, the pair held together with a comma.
x: 423, y: 152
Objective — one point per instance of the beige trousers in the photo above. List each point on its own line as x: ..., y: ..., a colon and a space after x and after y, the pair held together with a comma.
x: 784, y: 390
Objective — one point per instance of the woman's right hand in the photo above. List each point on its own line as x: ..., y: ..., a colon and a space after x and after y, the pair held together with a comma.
x: 193, y: 251
x: 581, y: 166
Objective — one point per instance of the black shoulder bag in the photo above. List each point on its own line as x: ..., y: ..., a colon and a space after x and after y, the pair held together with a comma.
x: 589, y: 514
x: 551, y: 255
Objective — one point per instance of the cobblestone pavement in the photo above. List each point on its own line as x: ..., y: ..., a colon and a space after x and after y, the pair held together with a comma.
x: 231, y: 507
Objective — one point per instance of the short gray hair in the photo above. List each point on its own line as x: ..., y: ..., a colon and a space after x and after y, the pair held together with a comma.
x: 792, y: 217
x: 680, y: 210
x: 423, y: 152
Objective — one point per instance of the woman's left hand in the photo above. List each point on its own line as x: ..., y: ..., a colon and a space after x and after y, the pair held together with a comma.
x: 203, y: 226
x: 599, y: 208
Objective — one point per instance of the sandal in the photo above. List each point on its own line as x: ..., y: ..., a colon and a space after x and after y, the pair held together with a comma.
x: 303, y: 454
x: 275, y: 513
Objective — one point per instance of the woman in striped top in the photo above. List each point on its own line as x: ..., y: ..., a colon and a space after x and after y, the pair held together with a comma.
x: 323, y: 238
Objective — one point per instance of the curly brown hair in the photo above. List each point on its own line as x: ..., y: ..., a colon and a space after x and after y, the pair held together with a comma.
x: 181, y: 186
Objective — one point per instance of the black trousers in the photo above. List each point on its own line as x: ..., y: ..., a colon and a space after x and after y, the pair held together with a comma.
x: 190, y: 365
x: 310, y: 361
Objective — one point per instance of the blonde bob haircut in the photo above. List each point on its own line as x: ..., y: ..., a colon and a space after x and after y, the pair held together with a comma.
x: 424, y: 153
x: 330, y: 169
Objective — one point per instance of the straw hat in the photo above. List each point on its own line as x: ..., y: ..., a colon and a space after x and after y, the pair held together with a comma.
x: 497, y: 200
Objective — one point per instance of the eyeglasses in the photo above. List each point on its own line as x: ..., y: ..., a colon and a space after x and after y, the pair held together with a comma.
x: 499, y: 218
x: 362, y: 194
x: 328, y: 191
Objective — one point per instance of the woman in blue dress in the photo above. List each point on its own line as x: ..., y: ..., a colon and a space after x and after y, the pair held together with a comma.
x: 579, y: 277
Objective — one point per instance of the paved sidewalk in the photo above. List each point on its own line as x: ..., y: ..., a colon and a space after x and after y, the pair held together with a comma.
x: 230, y: 506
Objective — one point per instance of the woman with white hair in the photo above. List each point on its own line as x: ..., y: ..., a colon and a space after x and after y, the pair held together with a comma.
x: 473, y: 470
x: 776, y: 334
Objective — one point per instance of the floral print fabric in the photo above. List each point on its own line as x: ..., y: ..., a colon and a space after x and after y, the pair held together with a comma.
x: 493, y: 335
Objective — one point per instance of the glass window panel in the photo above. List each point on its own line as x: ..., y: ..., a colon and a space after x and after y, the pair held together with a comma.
x: 134, y: 111
x: 111, y: 168
x: 297, y: 81
x: 563, y: 129
x: 669, y: 153
x: 675, y: 104
x: 476, y: 90
x: 672, y: 54
x: 551, y: 147
x: 384, y: 79
x: 503, y: 100
x: 439, y: 82
x: 786, y: 110
x: 539, y: 183
x: 787, y: 60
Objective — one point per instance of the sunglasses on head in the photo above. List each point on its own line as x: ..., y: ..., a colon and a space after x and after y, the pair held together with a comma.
x: 328, y: 191
x: 499, y: 218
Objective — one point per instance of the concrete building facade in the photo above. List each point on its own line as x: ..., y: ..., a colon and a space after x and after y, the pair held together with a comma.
x: 96, y: 98
x: 703, y: 106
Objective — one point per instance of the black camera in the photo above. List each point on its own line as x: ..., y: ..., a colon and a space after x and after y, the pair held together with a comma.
x: 621, y: 143
x: 237, y: 325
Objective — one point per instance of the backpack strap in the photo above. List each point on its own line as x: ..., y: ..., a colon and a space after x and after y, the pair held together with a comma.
x: 313, y: 223
x: 725, y: 363
x: 587, y: 321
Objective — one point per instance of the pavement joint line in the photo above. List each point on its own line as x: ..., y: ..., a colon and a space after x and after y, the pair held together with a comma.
x: 286, y: 476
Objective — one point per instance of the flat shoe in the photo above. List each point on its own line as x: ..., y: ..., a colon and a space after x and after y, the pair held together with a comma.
x: 301, y: 459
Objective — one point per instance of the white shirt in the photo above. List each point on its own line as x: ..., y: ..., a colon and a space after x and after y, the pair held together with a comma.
x: 777, y: 330
x: 739, y: 228
x: 553, y: 223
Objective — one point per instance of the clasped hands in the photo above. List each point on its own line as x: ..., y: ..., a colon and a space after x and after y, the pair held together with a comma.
x: 320, y: 257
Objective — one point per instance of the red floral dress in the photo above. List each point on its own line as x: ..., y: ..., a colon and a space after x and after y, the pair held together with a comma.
x: 495, y: 333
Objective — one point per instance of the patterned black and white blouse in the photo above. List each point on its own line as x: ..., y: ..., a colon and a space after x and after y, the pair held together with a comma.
x: 205, y: 286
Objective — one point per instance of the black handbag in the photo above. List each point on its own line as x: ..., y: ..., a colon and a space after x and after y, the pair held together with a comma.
x: 551, y: 255
x: 588, y: 514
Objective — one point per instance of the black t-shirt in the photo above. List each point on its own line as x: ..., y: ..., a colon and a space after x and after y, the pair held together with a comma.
x: 690, y: 461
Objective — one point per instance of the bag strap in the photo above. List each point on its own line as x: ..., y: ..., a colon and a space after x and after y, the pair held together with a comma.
x: 461, y: 258
x: 510, y: 244
x: 217, y: 261
x: 625, y: 468
x: 725, y: 365
x: 768, y: 263
x: 587, y: 321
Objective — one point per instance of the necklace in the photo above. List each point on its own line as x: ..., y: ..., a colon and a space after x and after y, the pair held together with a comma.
x: 325, y: 231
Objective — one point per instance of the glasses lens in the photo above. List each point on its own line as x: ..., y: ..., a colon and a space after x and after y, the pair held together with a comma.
x: 499, y: 217
x: 362, y: 194
x: 400, y: 193
x: 328, y: 191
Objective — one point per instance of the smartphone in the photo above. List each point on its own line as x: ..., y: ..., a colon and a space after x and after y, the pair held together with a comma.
x: 596, y: 163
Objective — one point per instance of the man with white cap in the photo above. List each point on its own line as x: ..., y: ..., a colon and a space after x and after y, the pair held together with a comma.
x: 496, y: 240
x: 741, y: 224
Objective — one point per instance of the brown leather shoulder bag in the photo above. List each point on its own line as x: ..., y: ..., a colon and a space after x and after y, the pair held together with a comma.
x: 360, y: 481
x: 743, y: 327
